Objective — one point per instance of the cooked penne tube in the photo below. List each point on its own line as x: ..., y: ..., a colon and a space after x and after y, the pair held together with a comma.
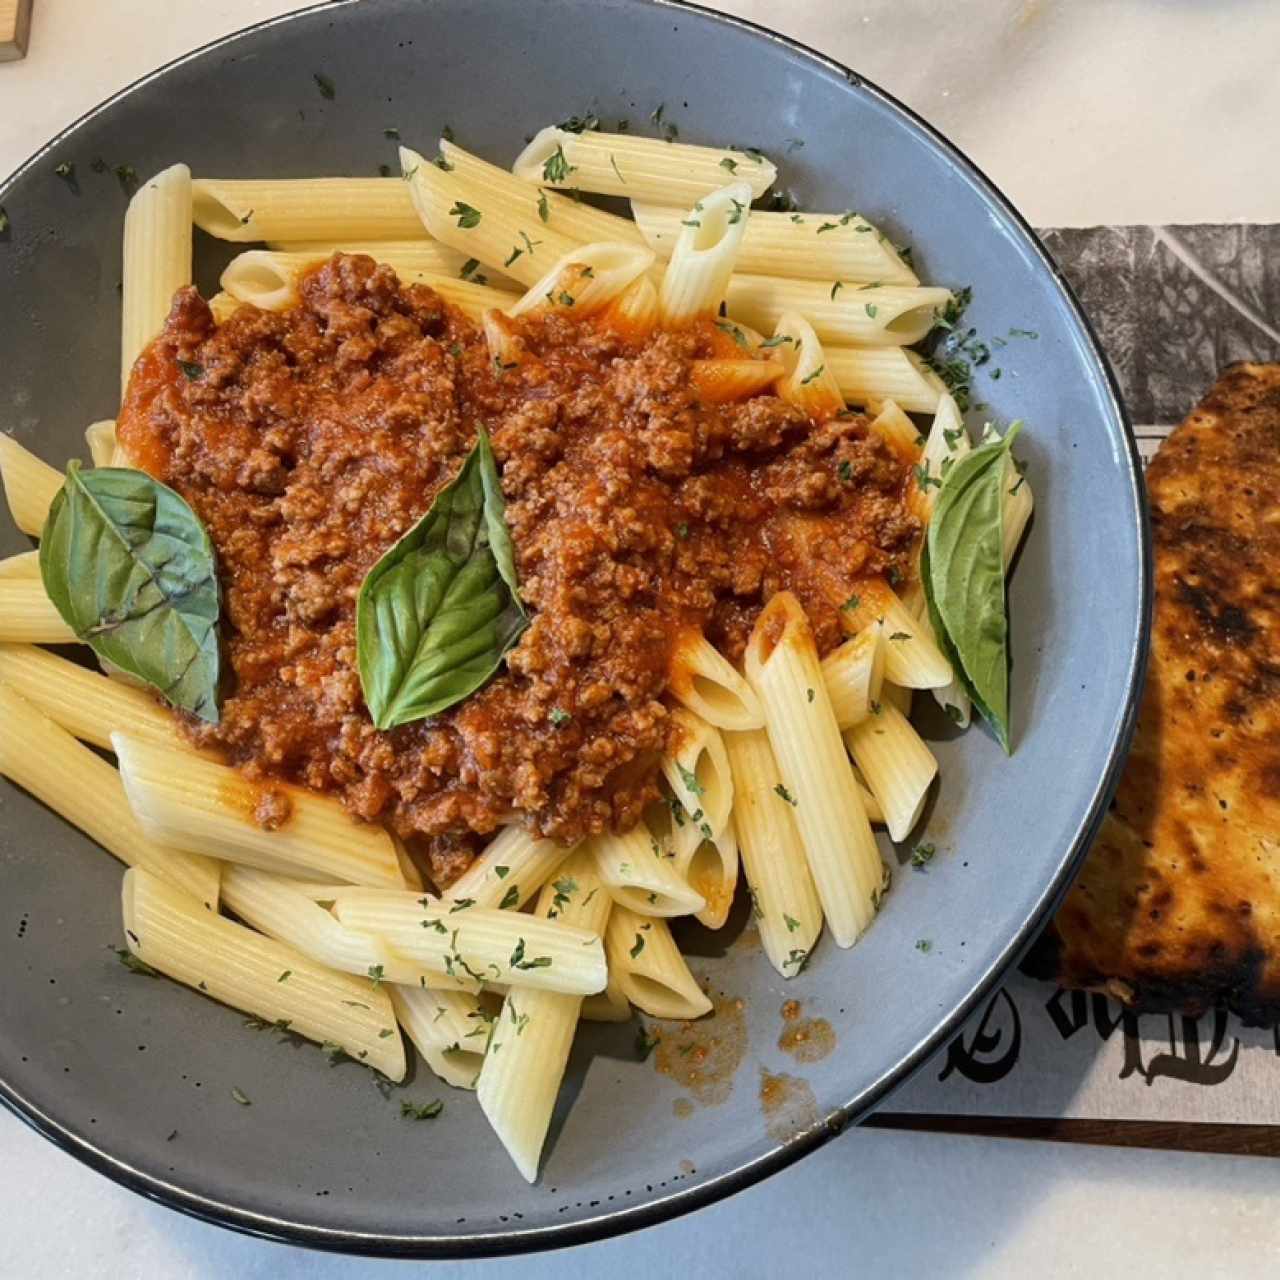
x: 304, y: 208
x: 785, y: 901
x: 806, y: 383
x: 563, y: 214
x: 223, y: 306
x: 529, y: 1047
x: 702, y: 262
x: 811, y: 246
x: 84, y: 789
x: 697, y: 770
x: 874, y: 812
x: 488, y: 945
x: 609, y: 1005
x: 449, y: 1028
x: 724, y: 381
x: 897, y: 765
x: 898, y: 431
x: 513, y: 866
x: 28, y: 616
x: 481, y: 223
x: 167, y: 929
x: 421, y: 253
x: 157, y: 259
x: 859, y: 315
x: 641, y: 874
x: 853, y: 673
x: 634, y: 312
x: 26, y: 564
x: 868, y: 376
x: 586, y: 280
x: 817, y: 782
x: 624, y: 164
x: 710, y: 686
x: 184, y: 800
x: 101, y: 439
x: 30, y: 485
x: 711, y: 869
x: 649, y: 968
x: 911, y: 657
x: 86, y: 703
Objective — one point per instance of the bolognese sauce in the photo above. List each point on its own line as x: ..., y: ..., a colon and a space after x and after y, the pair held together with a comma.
x: 310, y: 440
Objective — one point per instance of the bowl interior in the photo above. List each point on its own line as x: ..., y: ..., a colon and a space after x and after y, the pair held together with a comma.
x: 136, y: 1075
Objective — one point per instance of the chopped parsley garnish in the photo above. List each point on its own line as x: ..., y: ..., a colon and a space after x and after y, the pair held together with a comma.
x: 738, y: 210
x: 510, y: 899
x: 384, y: 171
x: 844, y: 469
x: 851, y: 603
x: 784, y: 794
x: 67, y: 172
x: 284, y: 977
x: 462, y: 904
x: 690, y: 780
x: 682, y: 531
x: 447, y: 133
x: 817, y: 373
x: 727, y: 326
x: 828, y: 226
x: 954, y: 714
x: 133, y: 964
x: 385, y: 1033
x: 922, y: 854
x: 729, y: 163
x: 691, y: 222
x: 421, y: 1111
x: 1023, y: 333
x: 544, y: 208
x: 637, y: 946
x: 924, y: 479
x: 193, y: 371
x: 645, y: 1043
x: 835, y: 288
x: 375, y: 975
x: 952, y: 437
x: 240, y: 1096
x: 871, y: 310
x: 588, y: 120
x: 4, y: 220
x: 876, y: 708
x: 127, y: 176
x: 900, y: 635
x: 564, y: 888
x: 467, y: 216
x: 392, y: 132
x: 924, y: 944
x: 777, y: 340
x: 557, y: 167
x: 516, y: 251
x: 558, y: 716
x: 518, y: 960
x: 438, y: 925
x: 501, y: 872
x: 798, y: 958
x: 325, y: 85
x: 791, y: 922
x: 810, y: 693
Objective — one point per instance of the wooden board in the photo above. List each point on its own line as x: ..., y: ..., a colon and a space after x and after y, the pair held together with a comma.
x: 15, y: 26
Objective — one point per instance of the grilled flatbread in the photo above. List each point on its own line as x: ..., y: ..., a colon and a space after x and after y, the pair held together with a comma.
x: 1178, y: 904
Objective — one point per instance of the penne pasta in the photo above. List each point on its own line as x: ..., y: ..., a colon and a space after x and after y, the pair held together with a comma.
x: 586, y: 280
x: 624, y: 164
x: 853, y: 674
x: 529, y: 1048
x: 193, y: 803
x: 898, y: 431
x: 702, y: 261
x: 640, y: 873
x: 493, y: 946
x: 724, y: 381
x: 711, y: 869
x: 157, y: 259
x: 812, y: 246
x: 898, y: 767
x: 512, y: 868
x: 565, y: 215
x: 806, y: 383
x: 83, y: 788
x: 421, y: 254
x: 650, y: 970
x: 25, y: 564
x: 817, y: 782
x: 868, y: 376
x: 245, y: 209
x: 222, y: 306
x: 858, y: 315
x: 911, y: 657
x: 481, y: 223
x: 101, y: 439
x: 784, y: 899
x: 634, y: 312
x: 30, y: 485
x: 708, y: 684
x: 609, y: 1005
x: 28, y: 616
x: 697, y: 770
x: 449, y: 1028
x: 168, y: 930
x: 85, y: 703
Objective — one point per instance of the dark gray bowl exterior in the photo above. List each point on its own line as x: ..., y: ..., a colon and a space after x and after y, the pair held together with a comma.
x: 134, y: 1076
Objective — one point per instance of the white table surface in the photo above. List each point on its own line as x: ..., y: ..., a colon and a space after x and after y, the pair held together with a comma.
x: 1083, y: 111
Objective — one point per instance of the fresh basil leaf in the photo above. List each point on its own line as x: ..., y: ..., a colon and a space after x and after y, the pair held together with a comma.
x: 962, y: 568
x: 131, y: 570
x: 436, y: 614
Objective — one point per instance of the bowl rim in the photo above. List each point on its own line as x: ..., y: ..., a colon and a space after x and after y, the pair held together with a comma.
x: 622, y: 1220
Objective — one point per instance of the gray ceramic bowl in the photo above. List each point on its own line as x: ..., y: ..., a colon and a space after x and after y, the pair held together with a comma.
x: 134, y: 1076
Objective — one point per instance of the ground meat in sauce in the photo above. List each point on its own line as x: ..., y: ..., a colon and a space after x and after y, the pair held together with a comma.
x: 309, y: 440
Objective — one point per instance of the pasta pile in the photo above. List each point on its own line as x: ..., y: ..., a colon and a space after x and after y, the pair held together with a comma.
x: 781, y: 768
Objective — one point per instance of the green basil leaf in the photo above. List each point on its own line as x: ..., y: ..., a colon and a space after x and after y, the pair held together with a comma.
x: 131, y: 569
x: 962, y: 568
x: 436, y: 614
